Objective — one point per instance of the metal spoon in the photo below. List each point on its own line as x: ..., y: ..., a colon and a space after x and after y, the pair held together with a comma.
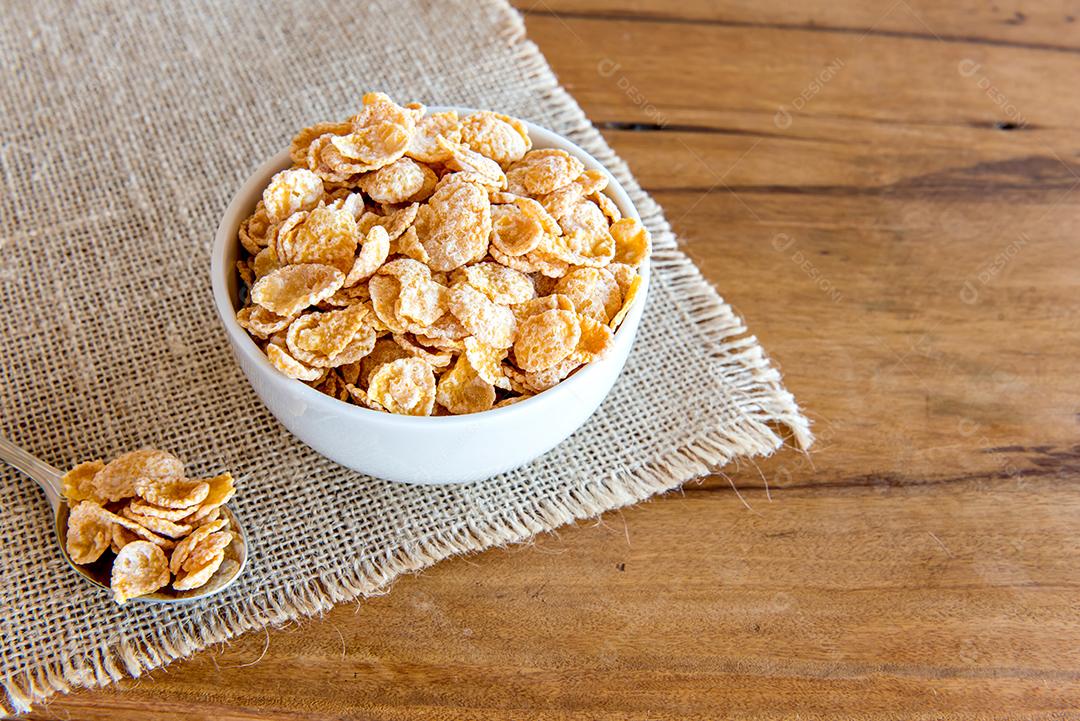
x: 98, y: 573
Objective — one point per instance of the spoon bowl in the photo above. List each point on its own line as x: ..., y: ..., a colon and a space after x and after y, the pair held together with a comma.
x: 98, y: 573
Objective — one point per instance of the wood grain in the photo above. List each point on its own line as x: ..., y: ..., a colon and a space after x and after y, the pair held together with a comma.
x: 905, y: 248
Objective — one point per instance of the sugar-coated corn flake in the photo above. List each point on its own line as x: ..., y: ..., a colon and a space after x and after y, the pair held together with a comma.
x: 171, y: 491
x: 513, y: 231
x: 629, y: 296
x: 461, y: 389
x: 116, y: 481
x: 301, y: 143
x: 412, y: 347
x: 632, y: 242
x: 476, y: 167
x: 405, y: 386
x: 593, y: 291
x: 326, y: 236
x: 156, y: 524
x: 260, y: 322
x: 500, y: 284
x: 542, y: 171
x: 546, y: 338
x: 184, y: 547
x: 595, y: 341
x: 88, y: 533
x: 288, y: 290
x: 139, y: 568
x: 499, y: 137
x: 193, y: 576
x: 145, y: 508
x: 291, y: 191
x: 489, y: 322
x: 291, y: 367
x: 424, y: 145
x: 78, y: 483
x: 454, y: 225
x: 402, y: 181
x: 493, y: 263
x: 487, y: 361
x: 317, y: 338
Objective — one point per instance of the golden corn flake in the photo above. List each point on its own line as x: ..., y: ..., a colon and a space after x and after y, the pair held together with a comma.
x: 327, y: 236
x: 499, y: 283
x: 78, y: 483
x: 184, y: 547
x: 412, y: 246
x: 585, y: 240
x: 316, y: 339
x: 402, y: 181
x: 298, y: 149
x: 145, y: 508
x: 88, y: 533
x: 607, y: 206
x: 593, y: 291
x: 205, y: 550
x: 260, y: 322
x: 415, y: 350
x: 629, y: 296
x: 487, y: 362
x: 394, y: 223
x: 514, y: 232
x: 542, y: 171
x: 405, y: 386
x: 595, y: 341
x: 546, y: 338
x: 499, y: 137
x: 222, y: 488
x: 195, y: 575
x: 475, y: 167
x: 631, y: 241
x: 555, y: 301
x: 286, y: 291
x: 290, y: 366
x: 116, y: 481
x: 424, y: 145
x: 454, y: 225
x: 140, y: 568
x: 291, y: 191
x: 490, y: 322
x: 171, y: 491
x: 462, y: 390
x: 156, y: 524
x: 542, y: 380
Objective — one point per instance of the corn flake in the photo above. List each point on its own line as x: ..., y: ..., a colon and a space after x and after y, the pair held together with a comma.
x: 405, y: 386
x: 139, y: 568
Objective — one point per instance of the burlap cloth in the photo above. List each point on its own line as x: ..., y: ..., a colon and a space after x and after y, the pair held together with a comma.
x: 125, y: 134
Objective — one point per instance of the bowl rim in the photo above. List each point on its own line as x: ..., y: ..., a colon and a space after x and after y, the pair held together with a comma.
x: 242, y: 342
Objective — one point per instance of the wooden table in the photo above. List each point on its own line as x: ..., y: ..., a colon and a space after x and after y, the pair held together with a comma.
x: 887, y: 192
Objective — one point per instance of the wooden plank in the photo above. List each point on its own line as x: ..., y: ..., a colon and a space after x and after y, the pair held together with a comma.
x: 897, y: 597
x: 715, y: 76
x: 1047, y: 25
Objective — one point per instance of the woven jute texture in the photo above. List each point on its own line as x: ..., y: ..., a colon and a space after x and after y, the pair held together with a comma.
x: 125, y: 134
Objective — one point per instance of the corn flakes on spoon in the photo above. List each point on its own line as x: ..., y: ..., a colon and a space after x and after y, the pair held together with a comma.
x: 227, y: 548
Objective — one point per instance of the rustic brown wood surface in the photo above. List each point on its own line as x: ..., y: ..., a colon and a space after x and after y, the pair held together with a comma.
x: 888, y: 192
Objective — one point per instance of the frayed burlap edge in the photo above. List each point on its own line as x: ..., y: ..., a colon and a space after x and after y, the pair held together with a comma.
x: 762, y: 406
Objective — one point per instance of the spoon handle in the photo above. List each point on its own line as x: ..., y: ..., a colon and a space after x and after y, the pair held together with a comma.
x: 46, y: 476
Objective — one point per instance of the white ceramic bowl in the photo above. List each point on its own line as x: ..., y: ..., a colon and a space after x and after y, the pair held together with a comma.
x: 427, y: 450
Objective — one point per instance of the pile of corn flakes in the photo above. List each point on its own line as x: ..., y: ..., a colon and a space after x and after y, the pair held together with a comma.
x: 162, y: 526
x: 430, y: 264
